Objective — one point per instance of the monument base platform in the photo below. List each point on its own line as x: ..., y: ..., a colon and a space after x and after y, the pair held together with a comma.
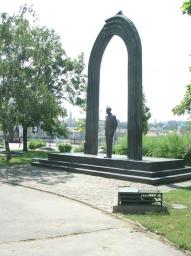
x: 152, y: 171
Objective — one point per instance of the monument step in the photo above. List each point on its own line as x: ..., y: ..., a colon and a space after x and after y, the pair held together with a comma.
x: 95, y: 173
x: 96, y: 167
x: 147, y: 164
x: 118, y: 170
x: 141, y: 179
x: 173, y: 178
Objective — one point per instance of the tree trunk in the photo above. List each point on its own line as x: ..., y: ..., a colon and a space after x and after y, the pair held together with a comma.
x: 7, y: 148
x: 25, y: 147
x: 50, y: 141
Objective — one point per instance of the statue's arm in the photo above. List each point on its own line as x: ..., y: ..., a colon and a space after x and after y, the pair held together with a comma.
x: 115, y: 123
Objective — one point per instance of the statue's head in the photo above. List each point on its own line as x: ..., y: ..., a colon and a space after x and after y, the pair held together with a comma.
x: 108, y: 110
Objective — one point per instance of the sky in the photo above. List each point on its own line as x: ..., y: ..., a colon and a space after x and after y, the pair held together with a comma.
x: 166, y: 46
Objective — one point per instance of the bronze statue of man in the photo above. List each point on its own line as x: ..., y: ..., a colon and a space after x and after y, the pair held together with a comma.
x: 110, y: 127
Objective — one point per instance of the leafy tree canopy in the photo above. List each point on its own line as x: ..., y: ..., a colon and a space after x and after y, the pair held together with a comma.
x: 146, y: 115
x: 185, y: 105
x: 186, y: 7
x: 36, y: 71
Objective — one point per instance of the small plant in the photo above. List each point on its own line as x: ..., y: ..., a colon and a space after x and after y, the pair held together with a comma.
x: 149, y: 143
x: 187, y: 156
x: 166, y: 146
x: 79, y: 148
x: 1, y: 143
x: 121, y: 147
x: 34, y: 144
x: 65, y: 147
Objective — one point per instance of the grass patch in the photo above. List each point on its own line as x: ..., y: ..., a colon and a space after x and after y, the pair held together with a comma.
x: 24, y: 158
x: 175, y: 226
x: 34, y: 144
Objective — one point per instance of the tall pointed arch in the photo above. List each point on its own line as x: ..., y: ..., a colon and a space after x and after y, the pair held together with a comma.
x: 124, y: 28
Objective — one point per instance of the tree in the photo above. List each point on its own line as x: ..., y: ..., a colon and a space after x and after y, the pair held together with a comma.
x: 50, y: 122
x: 185, y: 105
x: 55, y: 128
x: 75, y: 82
x: 41, y: 70
x: 6, y: 116
x: 7, y: 103
x: 186, y: 7
x: 80, y: 125
x: 146, y: 115
x: 40, y: 58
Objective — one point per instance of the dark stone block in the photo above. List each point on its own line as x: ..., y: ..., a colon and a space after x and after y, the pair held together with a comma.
x: 152, y: 171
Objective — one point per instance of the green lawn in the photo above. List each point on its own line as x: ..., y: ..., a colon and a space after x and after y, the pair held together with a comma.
x: 175, y: 226
x: 25, y: 158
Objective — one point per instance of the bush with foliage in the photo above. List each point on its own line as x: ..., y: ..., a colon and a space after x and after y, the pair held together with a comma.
x: 1, y: 143
x: 149, y: 143
x: 65, y: 147
x: 169, y: 146
x: 187, y: 156
x: 121, y: 147
x: 79, y: 148
x: 34, y: 144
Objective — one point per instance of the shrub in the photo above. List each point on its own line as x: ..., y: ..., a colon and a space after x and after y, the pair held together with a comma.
x: 169, y: 146
x: 175, y: 145
x: 79, y: 148
x: 1, y: 143
x: 121, y: 147
x: 65, y: 147
x: 149, y: 143
x: 187, y: 156
x: 34, y: 144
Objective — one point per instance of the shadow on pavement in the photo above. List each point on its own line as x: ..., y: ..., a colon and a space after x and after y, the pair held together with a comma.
x: 20, y: 174
x: 179, y: 186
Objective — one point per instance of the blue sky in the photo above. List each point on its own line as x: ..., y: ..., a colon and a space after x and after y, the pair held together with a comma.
x: 166, y: 44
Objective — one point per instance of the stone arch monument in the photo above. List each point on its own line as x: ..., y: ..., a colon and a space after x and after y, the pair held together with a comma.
x: 124, y: 28
x: 153, y: 170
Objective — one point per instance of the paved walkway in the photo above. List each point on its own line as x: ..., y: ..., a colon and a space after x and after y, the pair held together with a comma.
x: 26, y: 212
x: 95, y: 191
x: 35, y: 223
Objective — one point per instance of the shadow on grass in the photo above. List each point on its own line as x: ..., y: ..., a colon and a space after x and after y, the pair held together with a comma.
x: 177, y: 186
x: 15, y: 174
x: 19, y: 157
